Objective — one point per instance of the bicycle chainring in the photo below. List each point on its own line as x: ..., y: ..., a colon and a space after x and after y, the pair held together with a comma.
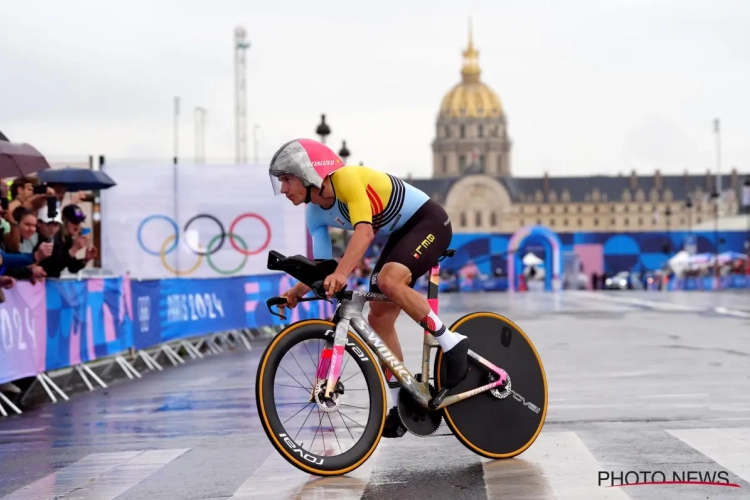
x: 418, y: 420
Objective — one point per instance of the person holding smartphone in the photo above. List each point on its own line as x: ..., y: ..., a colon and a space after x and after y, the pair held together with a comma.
x: 71, y: 238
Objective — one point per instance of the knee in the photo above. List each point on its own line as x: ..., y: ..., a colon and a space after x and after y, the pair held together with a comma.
x: 392, y: 276
x: 382, y: 313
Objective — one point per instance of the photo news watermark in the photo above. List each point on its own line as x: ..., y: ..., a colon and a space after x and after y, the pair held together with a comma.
x: 616, y: 479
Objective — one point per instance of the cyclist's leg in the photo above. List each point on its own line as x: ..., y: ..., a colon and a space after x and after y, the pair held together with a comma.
x: 426, y: 237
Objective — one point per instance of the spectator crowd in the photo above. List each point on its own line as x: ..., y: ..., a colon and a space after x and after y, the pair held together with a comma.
x: 40, y: 236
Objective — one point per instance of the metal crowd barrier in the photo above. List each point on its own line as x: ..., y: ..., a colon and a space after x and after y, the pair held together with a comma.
x: 74, y: 325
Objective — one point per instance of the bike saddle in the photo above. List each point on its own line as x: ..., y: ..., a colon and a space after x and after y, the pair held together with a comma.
x: 300, y: 267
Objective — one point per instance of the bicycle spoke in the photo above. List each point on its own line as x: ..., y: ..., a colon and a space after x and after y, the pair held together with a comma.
x: 350, y: 418
x: 293, y: 377
x: 303, y: 423
x: 352, y: 406
x: 347, y: 427
x: 315, y: 364
x: 334, y: 433
x: 300, y: 411
x: 300, y: 367
x: 300, y: 387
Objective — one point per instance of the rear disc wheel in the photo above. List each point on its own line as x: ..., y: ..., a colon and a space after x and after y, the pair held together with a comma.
x: 504, y: 422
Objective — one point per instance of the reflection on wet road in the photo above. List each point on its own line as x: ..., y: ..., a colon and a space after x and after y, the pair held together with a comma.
x: 645, y: 382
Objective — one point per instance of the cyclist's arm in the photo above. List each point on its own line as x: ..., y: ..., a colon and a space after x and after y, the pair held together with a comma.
x: 322, y: 246
x: 351, y: 189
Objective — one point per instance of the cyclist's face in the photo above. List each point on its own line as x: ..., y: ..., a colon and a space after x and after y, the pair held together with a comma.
x: 293, y: 189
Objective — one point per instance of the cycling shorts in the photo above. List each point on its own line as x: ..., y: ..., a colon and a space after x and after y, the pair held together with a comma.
x: 418, y: 244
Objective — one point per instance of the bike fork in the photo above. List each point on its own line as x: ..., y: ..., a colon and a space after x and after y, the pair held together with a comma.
x: 329, y: 365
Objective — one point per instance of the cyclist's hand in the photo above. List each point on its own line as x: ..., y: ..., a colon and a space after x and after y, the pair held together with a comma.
x: 334, y: 283
x: 292, y: 297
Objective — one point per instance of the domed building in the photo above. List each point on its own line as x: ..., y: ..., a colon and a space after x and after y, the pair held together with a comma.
x: 473, y: 178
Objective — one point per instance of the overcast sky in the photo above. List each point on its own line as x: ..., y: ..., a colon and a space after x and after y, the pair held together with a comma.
x: 589, y: 86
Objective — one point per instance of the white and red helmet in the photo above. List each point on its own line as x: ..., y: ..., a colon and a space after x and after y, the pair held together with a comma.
x: 306, y: 159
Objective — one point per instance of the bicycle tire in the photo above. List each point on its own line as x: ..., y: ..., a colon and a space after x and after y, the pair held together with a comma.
x: 491, y: 427
x: 264, y: 396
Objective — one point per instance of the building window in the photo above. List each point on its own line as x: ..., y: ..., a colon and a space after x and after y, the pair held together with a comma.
x: 481, y: 163
x: 612, y: 209
x: 478, y: 219
x: 640, y: 221
x: 538, y: 210
x: 596, y: 209
x: 539, y: 222
x: 521, y: 222
x: 580, y: 222
x: 445, y: 163
x: 626, y: 208
x: 493, y: 219
x: 552, y: 222
x: 640, y: 209
x: 565, y: 222
x: 463, y: 219
x: 682, y: 221
x: 462, y: 163
x: 580, y: 209
x: 697, y: 220
x: 596, y: 222
x: 654, y: 221
x: 613, y: 221
x: 626, y: 221
x: 462, y: 131
x: 480, y: 130
x: 447, y: 131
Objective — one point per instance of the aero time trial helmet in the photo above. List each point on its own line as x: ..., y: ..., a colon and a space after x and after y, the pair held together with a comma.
x: 306, y: 159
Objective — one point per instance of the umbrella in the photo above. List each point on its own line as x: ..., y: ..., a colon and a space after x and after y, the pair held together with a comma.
x: 77, y: 179
x: 18, y: 159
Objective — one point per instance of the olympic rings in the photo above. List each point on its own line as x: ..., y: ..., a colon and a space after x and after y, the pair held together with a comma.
x: 221, y: 234
x: 163, y: 255
x: 211, y: 263
x: 249, y: 216
x: 215, y: 244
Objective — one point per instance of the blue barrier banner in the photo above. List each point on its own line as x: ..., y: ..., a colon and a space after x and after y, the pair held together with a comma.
x: 173, y: 309
x: 87, y: 320
x: 23, y: 332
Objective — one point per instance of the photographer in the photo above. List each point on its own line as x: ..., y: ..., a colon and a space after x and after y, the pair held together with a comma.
x: 71, y: 238
x: 25, y: 193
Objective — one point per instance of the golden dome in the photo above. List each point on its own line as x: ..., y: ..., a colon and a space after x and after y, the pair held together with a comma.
x: 471, y: 98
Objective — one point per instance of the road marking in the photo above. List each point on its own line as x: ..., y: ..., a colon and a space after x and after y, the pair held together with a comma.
x: 277, y: 478
x: 557, y: 465
x: 728, y: 447
x: 99, y: 476
x: 22, y: 431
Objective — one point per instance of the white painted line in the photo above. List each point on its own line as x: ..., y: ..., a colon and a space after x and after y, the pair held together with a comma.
x: 277, y: 478
x: 99, y: 476
x: 22, y: 431
x: 675, y: 396
x: 557, y: 465
x: 728, y: 447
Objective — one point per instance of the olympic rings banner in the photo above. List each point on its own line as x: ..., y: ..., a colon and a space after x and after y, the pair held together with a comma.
x: 197, y: 221
x: 66, y: 322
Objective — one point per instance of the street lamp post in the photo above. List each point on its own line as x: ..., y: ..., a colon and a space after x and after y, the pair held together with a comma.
x: 667, y: 216
x: 344, y: 153
x: 689, y: 208
x: 323, y: 129
x: 715, y: 199
x: 746, y: 203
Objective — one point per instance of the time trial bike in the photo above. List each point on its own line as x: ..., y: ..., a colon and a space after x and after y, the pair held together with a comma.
x: 304, y: 391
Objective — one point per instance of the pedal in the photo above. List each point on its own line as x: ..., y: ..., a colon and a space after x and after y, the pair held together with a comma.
x: 438, y: 399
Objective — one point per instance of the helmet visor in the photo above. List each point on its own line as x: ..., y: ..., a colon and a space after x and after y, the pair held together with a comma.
x: 275, y: 184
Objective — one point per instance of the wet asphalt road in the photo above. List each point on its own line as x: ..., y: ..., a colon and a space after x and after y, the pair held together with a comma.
x: 646, y: 382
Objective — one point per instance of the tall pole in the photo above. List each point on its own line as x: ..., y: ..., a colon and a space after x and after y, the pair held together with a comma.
x: 240, y: 94
x: 717, y: 130
x: 200, y: 135
x: 176, y: 153
x: 256, y: 127
x: 746, y: 204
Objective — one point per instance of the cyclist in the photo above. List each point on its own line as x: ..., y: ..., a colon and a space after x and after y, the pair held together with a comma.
x: 369, y: 201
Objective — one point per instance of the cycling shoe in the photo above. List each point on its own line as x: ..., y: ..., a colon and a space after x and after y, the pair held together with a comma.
x: 393, y: 427
x: 457, y: 364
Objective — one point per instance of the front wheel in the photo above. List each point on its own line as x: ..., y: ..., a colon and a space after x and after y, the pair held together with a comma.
x: 325, y: 438
x: 497, y: 423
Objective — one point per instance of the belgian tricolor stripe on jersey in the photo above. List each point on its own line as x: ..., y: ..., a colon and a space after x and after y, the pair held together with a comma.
x: 381, y: 217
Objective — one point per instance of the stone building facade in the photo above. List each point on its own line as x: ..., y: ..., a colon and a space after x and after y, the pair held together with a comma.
x: 473, y: 178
